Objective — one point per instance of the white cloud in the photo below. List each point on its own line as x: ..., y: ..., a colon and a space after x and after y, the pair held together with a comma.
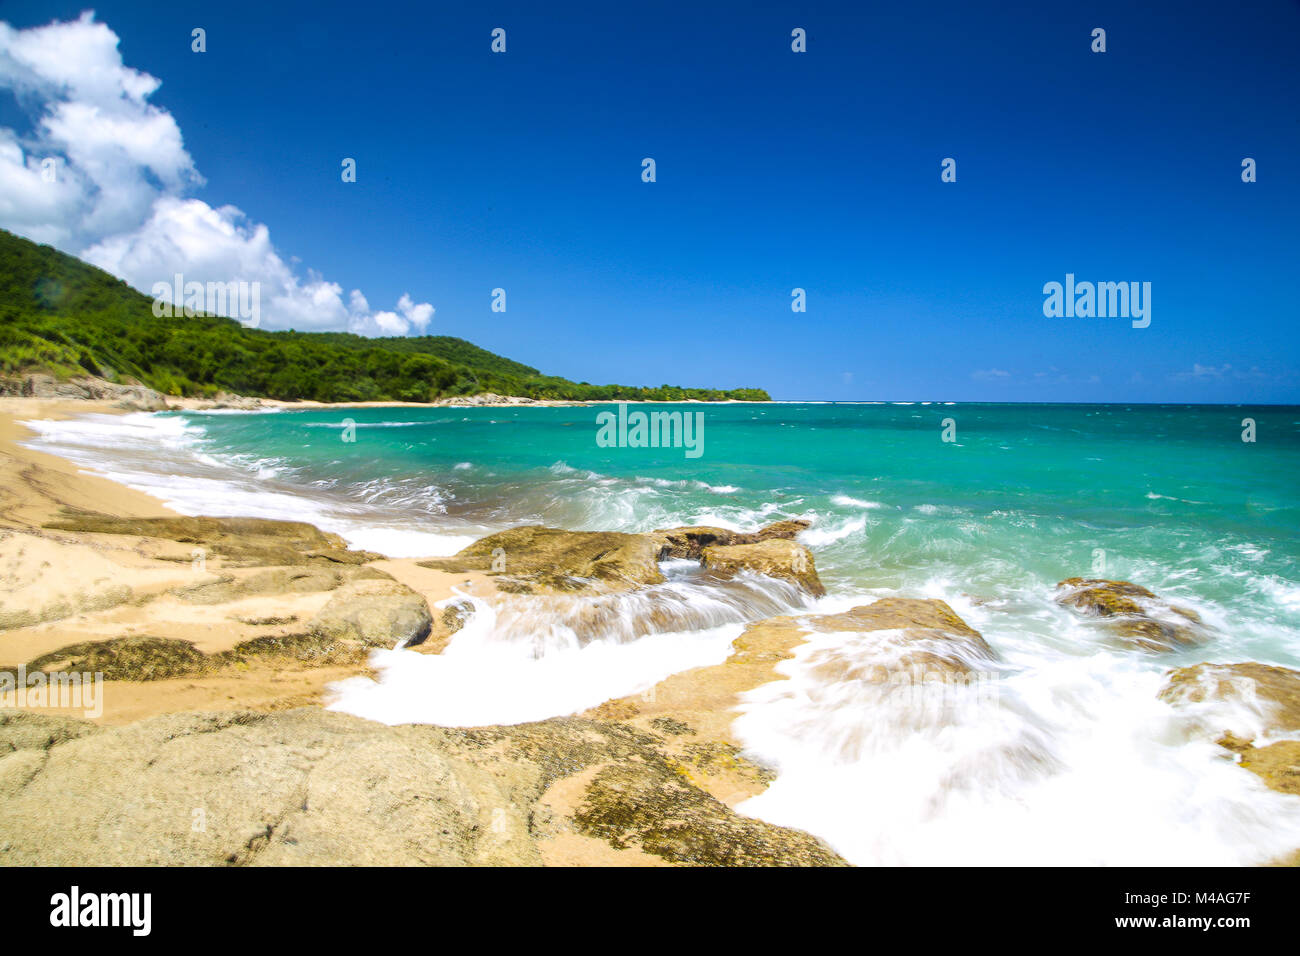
x: 122, y: 171
x: 989, y: 374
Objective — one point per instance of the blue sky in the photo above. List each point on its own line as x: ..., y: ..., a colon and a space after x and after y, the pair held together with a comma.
x: 775, y: 170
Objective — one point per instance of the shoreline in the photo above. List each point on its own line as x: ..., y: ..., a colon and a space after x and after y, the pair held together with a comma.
x: 128, y: 581
x: 251, y: 613
x: 38, y: 488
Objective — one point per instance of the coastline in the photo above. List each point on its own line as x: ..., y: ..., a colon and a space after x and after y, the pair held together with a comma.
x: 37, y: 489
x: 253, y: 611
x: 127, y: 579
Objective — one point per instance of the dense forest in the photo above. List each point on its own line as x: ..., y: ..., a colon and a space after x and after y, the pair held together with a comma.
x: 62, y: 315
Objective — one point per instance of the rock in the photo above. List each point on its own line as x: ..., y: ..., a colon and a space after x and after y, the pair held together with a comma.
x: 944, y: 642
x: 161, y: 658
x: 141, y: 399
x: 132, y: 396
x: 690, y: 542
x: 1277, y: 688
x: 243, y: 542
x: 238, y: 402
x: 263, y: 581
x: 375, y: 612
x: 485, y: 398
x: 126, y: 658
x: 783, y: 529
x: 656, y: 810
x: 446, y: 624
x: 88, y: 579
x: 1134, y: 613
x: 537, y: 559
x: 1277, y: 764
x: 311, y: 787
x: 774, y: 557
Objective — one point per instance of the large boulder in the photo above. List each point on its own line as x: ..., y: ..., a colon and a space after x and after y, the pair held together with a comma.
x: 774, y: 557
x: 1133, y: 613
x: 376, y: 612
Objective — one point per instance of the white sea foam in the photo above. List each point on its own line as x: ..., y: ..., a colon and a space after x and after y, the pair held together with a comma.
x: 845, y: 501
x: 487, y: 676
x: 1074, y: 760
x: 818, y: 536
x: 162, y: 455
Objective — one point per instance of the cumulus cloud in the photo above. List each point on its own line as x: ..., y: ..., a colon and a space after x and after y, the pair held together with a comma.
x: 120, y: 178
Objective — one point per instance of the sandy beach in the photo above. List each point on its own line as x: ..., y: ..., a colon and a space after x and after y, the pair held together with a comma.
x: 77, y: 587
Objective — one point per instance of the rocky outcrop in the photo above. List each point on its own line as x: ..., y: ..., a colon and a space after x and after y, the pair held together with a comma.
x: 691, y: 542
x: 131, y: 396
x: 1133, y: 613
x: 87, y: 580
x: 775, y: 557
x: 1276, y: 690
x: 1277, y: 687
x: 229, y: 400
x: 241, y: 542
x: 485, y: 398
x: 376, y: 612
x: 301, y: 580
x: 536, y: 559
x: 937, y: 639
x: 146, y: 658
x: 916, y: 633
x: 331, y: 789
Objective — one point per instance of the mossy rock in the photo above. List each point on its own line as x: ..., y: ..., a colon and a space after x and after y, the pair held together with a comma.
x: 1134, y: 613
x: 127, y: 658
x: 652, y: 808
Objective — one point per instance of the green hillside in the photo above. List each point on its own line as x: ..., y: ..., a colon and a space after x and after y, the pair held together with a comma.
x: 62, y: 315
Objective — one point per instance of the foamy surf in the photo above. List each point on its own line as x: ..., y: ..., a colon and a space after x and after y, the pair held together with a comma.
x: 1071, y: 761
x: 486, y: 677
x: 164, y: 456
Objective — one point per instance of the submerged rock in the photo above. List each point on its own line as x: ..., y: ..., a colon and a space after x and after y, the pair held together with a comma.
x: 1134, y: 613
x: 775, y: 557
x: 1276, y: 690
x: 1277, y: 687
x: 936, y: 636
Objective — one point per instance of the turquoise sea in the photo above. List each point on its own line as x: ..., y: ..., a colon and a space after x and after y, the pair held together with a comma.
x: 1076, y: 761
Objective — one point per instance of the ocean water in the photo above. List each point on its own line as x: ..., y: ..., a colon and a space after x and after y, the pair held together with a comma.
x: 1064, y: 756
